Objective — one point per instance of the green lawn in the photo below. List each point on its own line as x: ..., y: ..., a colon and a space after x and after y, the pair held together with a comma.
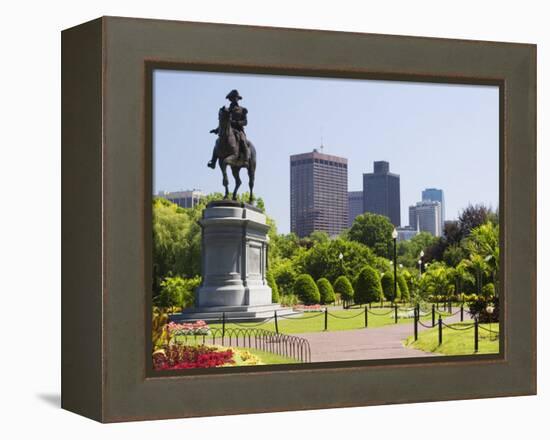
x: 266, y: 358
x: 456, y: 342
x: 315, y: 321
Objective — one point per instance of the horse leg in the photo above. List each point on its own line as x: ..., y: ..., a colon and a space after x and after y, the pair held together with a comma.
x: 251, y: 176
x: 225, y: 181
x: 236, y: 172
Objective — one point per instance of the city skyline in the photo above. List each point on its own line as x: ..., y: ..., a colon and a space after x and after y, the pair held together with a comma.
x: 434, y: 135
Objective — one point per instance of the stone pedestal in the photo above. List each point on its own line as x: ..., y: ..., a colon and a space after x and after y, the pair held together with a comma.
x: 234, y: 259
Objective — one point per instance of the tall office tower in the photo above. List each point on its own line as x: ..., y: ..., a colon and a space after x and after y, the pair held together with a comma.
x: 426, y: 217
x: 318, y: 193
x: 185, y: 199
x: 355, y: 205
x: 436, y: 195
x: 381, y: 192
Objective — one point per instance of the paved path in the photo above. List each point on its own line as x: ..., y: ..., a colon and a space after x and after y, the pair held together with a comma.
x: 369, y: 343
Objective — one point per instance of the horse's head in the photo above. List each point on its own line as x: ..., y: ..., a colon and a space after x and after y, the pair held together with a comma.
x: 223, y: 114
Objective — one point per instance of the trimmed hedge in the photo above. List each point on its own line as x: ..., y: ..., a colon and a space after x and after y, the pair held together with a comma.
x: 306, y: 290
x: 326, y: 291
x: 274, y: 289
x: 343, y: 286
x: 388, y: 287
x: 403, y: 287
x: 367, y: 286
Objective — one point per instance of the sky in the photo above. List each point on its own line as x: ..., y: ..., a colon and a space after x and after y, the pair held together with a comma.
x: 434, y: 135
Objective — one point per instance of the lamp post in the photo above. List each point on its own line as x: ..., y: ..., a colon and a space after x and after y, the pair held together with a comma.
x: 382, y: 296
x: 420, y: 262
x: 341, y: 258
x: 394, y: 236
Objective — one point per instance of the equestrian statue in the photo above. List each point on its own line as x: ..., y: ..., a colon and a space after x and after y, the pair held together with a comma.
x: 232, y: 148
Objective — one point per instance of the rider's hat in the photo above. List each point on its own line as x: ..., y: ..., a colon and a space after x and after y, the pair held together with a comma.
x: 233, y: 94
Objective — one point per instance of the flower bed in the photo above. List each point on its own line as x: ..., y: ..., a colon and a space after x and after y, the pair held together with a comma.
x: 181, y: 357
x: 310, y: 308
x: 188, y: 328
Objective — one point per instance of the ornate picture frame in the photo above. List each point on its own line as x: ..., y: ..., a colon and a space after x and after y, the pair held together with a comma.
x: 106, y: 216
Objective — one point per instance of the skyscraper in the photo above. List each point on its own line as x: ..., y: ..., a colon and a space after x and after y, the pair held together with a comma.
x: 425, y: 216
x: 355, y: 205
x: 436, y: 195
x: 318, y: 193
x: 381, y: 192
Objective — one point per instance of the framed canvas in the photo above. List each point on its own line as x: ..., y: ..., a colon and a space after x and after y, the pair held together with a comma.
x: 133, y: 90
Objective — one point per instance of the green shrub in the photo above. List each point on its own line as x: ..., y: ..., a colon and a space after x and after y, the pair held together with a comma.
x: 289, y: 300
x: 285, y: 276
x: 367, y: 286
x: 343, y: 287
x: 403, y: 287
x: 488, y: 290
x: 274, y: 289
x: 177, y: 291
x: 388, y: 287
x: 478, y: 308
x: 306, y: 289
x: 325, y: 290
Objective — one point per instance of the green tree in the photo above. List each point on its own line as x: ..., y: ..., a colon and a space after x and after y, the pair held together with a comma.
x: 403, y: 287
x: 454, y: 254
x: 374, y: 231
x: 479, y: 268
x: 284, y: 273
x: 343, y: 287
x: 408, y: 251
x: 437, y: 280
x: 274, y: 289
x: 367, y: 286
x: 306, y: 289
x: 484, y: 241
x: 473, y: 216
x: 176, y: 291
x: 176, y: 242
x: 325, y: 290
x: 323, y: 259
x: 388, y: 285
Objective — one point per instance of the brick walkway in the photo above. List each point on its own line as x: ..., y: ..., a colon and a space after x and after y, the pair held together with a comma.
x: 369, y: 343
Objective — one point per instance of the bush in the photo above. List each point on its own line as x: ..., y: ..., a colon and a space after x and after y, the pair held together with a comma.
x: 274, y: 289
x: 388, y: 287
x: 367, y: 286
x: 285, y: 275
x: 479, y: 308
x: 306, y: 290
x: 325, y: 290
x: 403, y: 287
x: 343, y: 287
x: 488, y: 290
x: 289, y: 300
x: 177, y: 291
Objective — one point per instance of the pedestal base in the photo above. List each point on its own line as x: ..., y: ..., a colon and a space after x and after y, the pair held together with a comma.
x: 232, y: 313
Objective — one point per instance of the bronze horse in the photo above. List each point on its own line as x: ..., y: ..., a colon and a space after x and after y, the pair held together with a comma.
x: 227, y: 152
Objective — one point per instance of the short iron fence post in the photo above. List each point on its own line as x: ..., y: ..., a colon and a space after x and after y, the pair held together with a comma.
x: 366, y: 317
x: 440, y: 324
x: 326, y: 319
x: 395, y: 312
x: 461, y: 312
x: 276, y: 323
x: 476, y: 335
x: 415, y: 325
x: 433, y: 315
